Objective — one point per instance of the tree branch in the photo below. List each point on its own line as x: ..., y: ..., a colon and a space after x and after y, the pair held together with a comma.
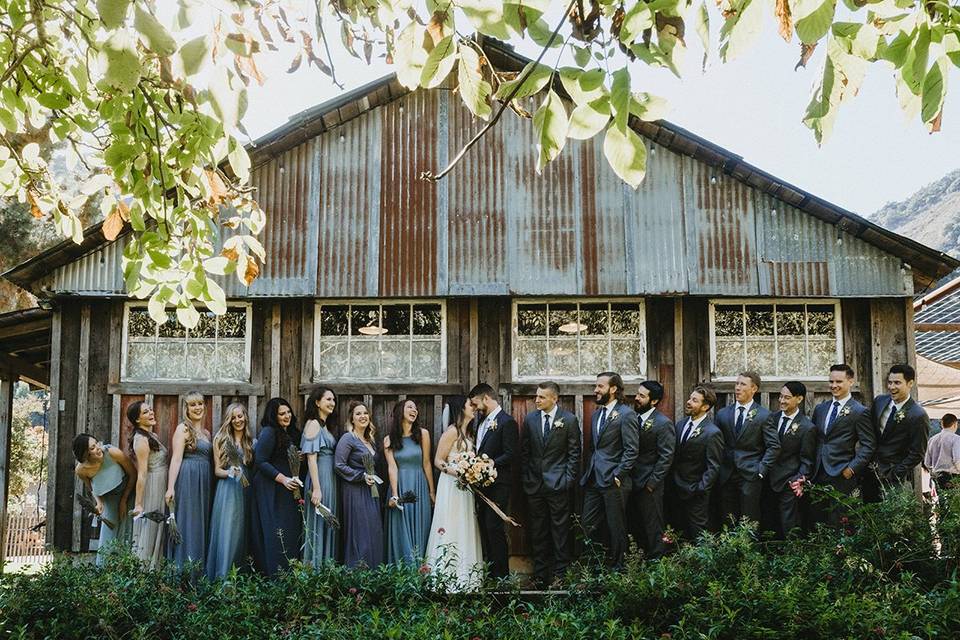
x: 18, y: 61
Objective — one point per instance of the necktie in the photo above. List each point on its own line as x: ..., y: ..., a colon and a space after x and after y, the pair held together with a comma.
x: 832, y: 416
x: 546, y: 426
x: 601, y: 421
x: 739, y: 425
x: 890, y: 419
x: 686, y: 432
x: 783, y: 425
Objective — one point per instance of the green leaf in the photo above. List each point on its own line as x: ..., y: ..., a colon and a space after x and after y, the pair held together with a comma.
x: 620, y: 98
x: 740, y: 31
x: 439, y: 63
x: 583, y: 86
x: 812, y: 18
x: 409, y: 55
x: 550, y: 124
x: 474, y: 90
x: 155, y: 35
x: 216, y: 299
x: 627, y: 154
x: 866, y: 41
x: 648, y: 107
x: 581, y: 55
x: 96, y: 183
x: 7, y: 120
x: 53, y: 100
x: 157, y: 309
x: 635, y: 22
x: 537, y: 80
x: 934, y: 90
x: 188, y: 316
x: 118, y: 153
x: 225, y: 99
x: 194, y: 54
x: 587, y: 120
x: 540, y: 32
x: 112, y: 12
x: 701, y: 23
x: 239, y: 161
x: 486, y: 16
x: 216, y: 265
x: 123, y: 63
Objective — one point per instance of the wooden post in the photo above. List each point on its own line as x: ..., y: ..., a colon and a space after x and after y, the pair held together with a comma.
x: 53, y: 423
x: 6, y: 428
x: 83, y: 377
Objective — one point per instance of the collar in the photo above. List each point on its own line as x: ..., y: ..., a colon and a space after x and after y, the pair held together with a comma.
x: 696, y: 423
x: 746, y: 407
x: 793, y: 416
x: 645, y: 416
x: 490, y: 419
x: 897, y: 407
x: 552, y: 413
x: 843, y: 401
x: 610, y: 405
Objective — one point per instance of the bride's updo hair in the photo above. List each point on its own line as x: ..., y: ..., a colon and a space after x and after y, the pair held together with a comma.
x: 456, y: 405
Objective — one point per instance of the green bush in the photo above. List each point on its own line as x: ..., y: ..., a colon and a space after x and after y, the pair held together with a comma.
x: 877, y: 577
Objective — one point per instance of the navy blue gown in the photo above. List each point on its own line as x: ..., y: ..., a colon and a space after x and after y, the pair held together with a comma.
x: 276, y: 524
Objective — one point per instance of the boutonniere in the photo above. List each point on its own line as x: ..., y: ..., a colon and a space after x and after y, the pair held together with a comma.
x: 493, y: 425
x: 558, y: 424
x: 752, y: 414
x: 794, y: 428
x: 648, y: 424
x: 613, y: 415
x: 845, y: 411
x: 696, y: 432
x: 900, y: 415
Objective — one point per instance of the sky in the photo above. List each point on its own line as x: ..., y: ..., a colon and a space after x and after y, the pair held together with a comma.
x: 752, y: 106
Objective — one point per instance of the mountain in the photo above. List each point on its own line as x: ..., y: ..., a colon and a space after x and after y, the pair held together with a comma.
x: 930, y: 216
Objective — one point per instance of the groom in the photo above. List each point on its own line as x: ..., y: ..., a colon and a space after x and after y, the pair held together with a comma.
x: 496, y: 437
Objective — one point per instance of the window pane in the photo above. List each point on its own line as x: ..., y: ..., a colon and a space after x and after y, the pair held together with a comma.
x: 333, y: 320
x: 793, y: 358
x: 823, y: 354
x: 729, y: 320
x: 426, y: 359
x: 170, y: 360
x: 594, y: 316
x: 563, y: 359
x: 593, y: 356
x: 759, y: 320
x: 396, y: 320
x: 790, y: 320
x: 426, y: 320
x: 532, y: 319
x: 531, y: 357
x: 141, y: 360
x: 627, y: 358
x: 172, y: 327
x: 563, y: 319
x: 364, y: 358
x: 760, y: 356
x: 233, y: 324
x: 201, y: 361
x: 332, y: 358
x: 231, y: 361
x: 206, y: 326
x: 366, y: 318
x: 395, y: 358
x: 820, y: 320
x: 140, y: 323
x: 729, y: 357
x: 625, y: 319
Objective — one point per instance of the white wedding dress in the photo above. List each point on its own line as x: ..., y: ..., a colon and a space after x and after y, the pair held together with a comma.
x: 453, y: 549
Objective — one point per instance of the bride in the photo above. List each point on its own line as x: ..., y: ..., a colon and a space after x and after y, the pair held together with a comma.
x: 453, y: 549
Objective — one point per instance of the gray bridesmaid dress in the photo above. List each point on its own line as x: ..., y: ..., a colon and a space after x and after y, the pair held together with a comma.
x: 319, y: 537
x: 408, y: 530
x: 193, y: 492
x: 108, y: 484
x: 148, y: 536
x: 228, y: 525
x: 360, y: 512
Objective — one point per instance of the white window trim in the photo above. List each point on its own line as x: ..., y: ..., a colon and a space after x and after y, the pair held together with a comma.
x: 837, y: 326
x: 514, y: 360
x: 247, y: 347
x: 381, y: 302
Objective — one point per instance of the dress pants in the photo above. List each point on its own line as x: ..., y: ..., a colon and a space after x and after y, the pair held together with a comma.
x: 646, y: 521
x: 549, y: 518
x: 493, y: 538
x: 741, y: 499
x: 604, y: 516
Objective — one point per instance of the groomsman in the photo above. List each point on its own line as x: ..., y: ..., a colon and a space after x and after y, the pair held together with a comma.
x: 550, y: 456
x: 658, y: 440
x: 845, y: 441
x: 749, y: 447
x: 794, y: 458
x: 607, y: 479
x: 497, y: 438
x: 696, y: 463
x: 901, y: 427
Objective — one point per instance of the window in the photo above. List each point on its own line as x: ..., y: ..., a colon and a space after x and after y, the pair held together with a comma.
x: 792, y: 339
x: 386, y: 342
x: 577, y: 340
x: 216, y: 350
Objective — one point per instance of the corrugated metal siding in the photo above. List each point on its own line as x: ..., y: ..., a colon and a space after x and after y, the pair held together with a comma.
x: 605, y: 244
x: 97, y: 273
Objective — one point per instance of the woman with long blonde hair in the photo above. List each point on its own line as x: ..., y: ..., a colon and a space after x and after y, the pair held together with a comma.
x: 232, y: 460
x: 362, y: 527
x: 190, y: 482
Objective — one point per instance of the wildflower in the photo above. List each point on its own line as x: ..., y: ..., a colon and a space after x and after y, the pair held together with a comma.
x: 191, y: 606
x: 300, y: 502
x: 667, y: 538
x: 352, y: 590
x: 424, y: 569
x: 441, y: 531
x: 844, y: 520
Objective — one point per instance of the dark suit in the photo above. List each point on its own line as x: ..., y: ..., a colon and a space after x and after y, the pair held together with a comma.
x: 500, y: 444
x: 747, y: 455
x: 794, y: 458
x: 849, y: 442
x: 645, y: 515
x: 901, y: 445
x: 614, y: 455
x: 549, y: 469
x: 696, y: 467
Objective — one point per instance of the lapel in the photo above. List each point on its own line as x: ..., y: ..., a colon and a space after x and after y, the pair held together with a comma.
x: 848, y: 408
x: 881, y: 422
x: 490, y: 429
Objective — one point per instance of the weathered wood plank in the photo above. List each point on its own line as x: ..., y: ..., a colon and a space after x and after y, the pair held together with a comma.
x: 180, y: 388
x: 6, y: 431
x: 274, y: 353
x: 83, y: 376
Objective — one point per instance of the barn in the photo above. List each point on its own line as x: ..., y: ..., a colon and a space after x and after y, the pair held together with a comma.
x: 385, y: 286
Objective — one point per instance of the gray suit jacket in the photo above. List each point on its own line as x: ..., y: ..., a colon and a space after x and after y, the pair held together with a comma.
x: 754, y: 449
x: 657, y: 444
x: 614, y: 450
x: 696, y: 463
x: 798, y: 446
x: 902, y: 445
x: 838, y: 448
x: 550, y: 465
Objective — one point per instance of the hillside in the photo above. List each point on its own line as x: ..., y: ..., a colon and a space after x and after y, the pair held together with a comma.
x: 930, y: 216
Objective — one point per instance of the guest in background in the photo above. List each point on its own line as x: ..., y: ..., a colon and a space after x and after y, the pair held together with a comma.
x: 109, y: 475
x: 190, y: 483
x: 360, y: 514
x: 151, y: 461
x: 318, y: 445
x: 276, y: 524
x: 793, y: 463
x: 232, y: 457
x: 943, y: 453
x: 407, y: 450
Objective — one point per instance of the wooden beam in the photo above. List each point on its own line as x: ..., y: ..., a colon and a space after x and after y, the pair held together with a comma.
x: 6, y: 429
x: 34, y: 326
x: 180, y: 388
x: 385, y: 388
x: 936, y: 326
x: 24, y: 368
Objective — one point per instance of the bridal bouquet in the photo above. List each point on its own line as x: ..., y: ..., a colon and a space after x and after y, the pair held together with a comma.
x: 473, y: 471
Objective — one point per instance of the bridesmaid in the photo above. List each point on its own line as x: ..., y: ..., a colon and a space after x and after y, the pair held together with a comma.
x: 151, y: 460
x: 110, y: 476
x: 407, y: 450
x: 318, y: 445
x: 228, y: 523
x: 276, y: 523
x: 190, y: 483
x: 362, y: 528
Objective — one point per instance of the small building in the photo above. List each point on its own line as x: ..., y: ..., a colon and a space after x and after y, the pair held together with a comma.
x: 385, y: 286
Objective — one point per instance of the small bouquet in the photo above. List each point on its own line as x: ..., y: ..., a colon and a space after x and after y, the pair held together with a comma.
x: 235, y: 458
x: 175, y: 536
x: 474, y: 472
x: 371, y: 471
x: 797, y: 486
x: 324, y: 512
x: 90, y: 506
x: 407, y: 497
x: 293, y: 459
x: 160, y: 518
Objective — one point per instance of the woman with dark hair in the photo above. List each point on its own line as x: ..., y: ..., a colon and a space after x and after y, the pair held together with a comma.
x: 109, y: 475
x: 232, y: 456
x: 151, y: 461
x: 318, y: 445
x: 276, y: 525
x: 190, y: 483
x: 362, y: 528
x: 407, y: 450
x: 453, y: 549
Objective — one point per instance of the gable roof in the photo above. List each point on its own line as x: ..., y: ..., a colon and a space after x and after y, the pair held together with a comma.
x: 927, y: 265
x: 937, y: 321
